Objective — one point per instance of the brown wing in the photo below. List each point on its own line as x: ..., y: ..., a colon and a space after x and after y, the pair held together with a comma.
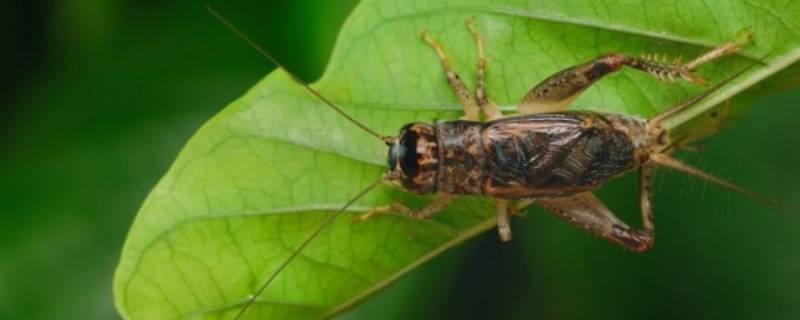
x: 552, y: 154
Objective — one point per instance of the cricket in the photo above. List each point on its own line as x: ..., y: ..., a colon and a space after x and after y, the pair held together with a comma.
x: 544, y: 155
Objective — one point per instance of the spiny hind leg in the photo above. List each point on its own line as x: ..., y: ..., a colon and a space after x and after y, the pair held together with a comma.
x: 489, y: 108
x: 471, y: 109
x: 439, y: 202
x: 557, y: 91
x: 586, y: 212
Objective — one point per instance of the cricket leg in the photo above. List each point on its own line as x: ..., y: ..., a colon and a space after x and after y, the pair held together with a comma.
x: 471, y: 109
x: 489, y: 108
x: 503, y: 223
x: 585, y: 211
x: 645, y: 181
x: 439, y: 202
x: 559, y: 90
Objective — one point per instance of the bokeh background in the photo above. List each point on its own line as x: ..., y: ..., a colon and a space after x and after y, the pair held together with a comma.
x: 98, y: 96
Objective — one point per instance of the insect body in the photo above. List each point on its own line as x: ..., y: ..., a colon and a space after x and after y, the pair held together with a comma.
x: 557, y: 158
x: 546, y: 155
x: 530, y: 156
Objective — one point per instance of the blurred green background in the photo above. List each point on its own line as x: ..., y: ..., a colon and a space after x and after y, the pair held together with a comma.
x: 99, y: 96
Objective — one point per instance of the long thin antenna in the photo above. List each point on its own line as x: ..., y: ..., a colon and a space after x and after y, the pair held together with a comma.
x: 694, y: 100
x: 274, y: 61
x: 669, y: 162
x: 300, y: 248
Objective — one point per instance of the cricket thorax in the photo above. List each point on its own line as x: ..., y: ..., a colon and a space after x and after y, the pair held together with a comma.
x: 461, y: 157
x: 414, y: 158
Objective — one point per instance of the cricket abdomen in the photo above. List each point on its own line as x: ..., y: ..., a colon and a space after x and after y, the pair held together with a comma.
x: 539, y: 155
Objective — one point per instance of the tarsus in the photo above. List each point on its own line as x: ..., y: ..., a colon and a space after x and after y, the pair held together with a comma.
x: 656, y: 121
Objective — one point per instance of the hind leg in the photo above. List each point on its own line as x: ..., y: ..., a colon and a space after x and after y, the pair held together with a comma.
x: 586, y: 212
x: 439, y: 203
x: 557, y: 91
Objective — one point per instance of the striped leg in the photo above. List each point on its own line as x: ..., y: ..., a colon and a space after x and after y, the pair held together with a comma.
x: 471, y: 109
x: 559, y: 90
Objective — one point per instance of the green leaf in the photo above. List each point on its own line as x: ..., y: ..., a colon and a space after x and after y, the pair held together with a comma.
x: 260, y: 176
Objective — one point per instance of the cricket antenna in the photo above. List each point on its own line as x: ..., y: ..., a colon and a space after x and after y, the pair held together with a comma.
x: 302, y: 246
x: 274, y: 61
x: 657, y: 120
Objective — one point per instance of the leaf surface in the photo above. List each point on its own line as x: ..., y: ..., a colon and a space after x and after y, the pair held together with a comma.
x: 258, y: 177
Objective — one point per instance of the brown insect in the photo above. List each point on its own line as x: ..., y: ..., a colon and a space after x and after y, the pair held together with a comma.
x: 546, y: 155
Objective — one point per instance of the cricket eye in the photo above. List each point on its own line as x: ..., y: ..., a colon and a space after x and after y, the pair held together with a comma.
x: 394, y: 153
x: 407, y: 154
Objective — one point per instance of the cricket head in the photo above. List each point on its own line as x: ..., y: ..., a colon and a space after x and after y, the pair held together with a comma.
x: 413, y: 159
